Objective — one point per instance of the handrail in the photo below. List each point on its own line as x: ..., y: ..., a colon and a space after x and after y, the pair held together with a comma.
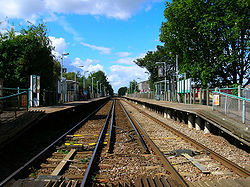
x: 236, y: 97
x: 9, y: 96
x: 4, y: 88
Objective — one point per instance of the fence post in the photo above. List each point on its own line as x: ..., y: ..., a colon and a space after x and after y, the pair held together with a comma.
x: 207, y: 96
x: 29, y: 102
x: 200, y: 96
x: 239, y: 95
x: 1, y: 94
x: 213, y: 101
x: 226, y: 105
x: 243, y: 111
x: 18, y: 97
x: 194, y: 95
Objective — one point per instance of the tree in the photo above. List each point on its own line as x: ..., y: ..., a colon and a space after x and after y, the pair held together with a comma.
x: 102, y: 80
x: 211, y: 38
x: 25, y: 54
x: 133, y: 87
x: 149, y: 62
x: 122, y: 91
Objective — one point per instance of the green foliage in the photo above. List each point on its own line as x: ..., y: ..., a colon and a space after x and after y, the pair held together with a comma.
x: 84, y: 160
x: 211, y: 39
x: 133, y: 87
x: 26, y: 54
x: 102, y: 80
x: 122, y: 91
x: 149, y: 62
x: 62, y: 151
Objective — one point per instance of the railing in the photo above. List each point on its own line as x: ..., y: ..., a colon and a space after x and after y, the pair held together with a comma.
x: 147, y: 95
x: 13, y: 102
x: 233, y: 102
x: 236, y: 107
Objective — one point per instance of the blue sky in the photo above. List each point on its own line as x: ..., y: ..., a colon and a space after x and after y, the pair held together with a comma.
x: 105, y: 35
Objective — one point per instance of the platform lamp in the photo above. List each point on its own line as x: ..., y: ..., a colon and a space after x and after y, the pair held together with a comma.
x: 92, y: 85
x: 97, y: 86
x: 101, y: 88
x: 84, y: 86
x: 165, y: 85
x: 148, y: 80
x: 64, y: 54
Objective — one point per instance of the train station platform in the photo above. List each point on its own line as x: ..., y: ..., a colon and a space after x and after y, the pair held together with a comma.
x: 64, y: 106
x: 194, y: 115
x: 15, y: 127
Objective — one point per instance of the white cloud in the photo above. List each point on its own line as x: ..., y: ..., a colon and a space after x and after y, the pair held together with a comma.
x: 120, y: 76
x: 118, y: 9
x: 95, y: 68
x: 102, y: 50
x: 123, y: 54
x: 59, y: 44
x: 78, y: 62
x: 127, y: 61
x: 24, y: 9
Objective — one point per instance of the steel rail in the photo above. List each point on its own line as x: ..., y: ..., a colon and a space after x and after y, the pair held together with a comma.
x: 144, y: 145
x: 179, y: 179
x: 86, y: 178
x: 111, y: 130
x: 236, y: 168
x: 47, y: 148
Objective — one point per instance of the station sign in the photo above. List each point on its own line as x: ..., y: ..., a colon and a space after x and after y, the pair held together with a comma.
x: 216, y: 100
x: 35, y: 83
x: 160, y: 71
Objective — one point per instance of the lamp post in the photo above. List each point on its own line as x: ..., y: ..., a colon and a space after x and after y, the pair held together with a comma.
x: 84, y: 80
x: 165, y: 85
x: 148, y: 80
x: 64, y: 54
x: 137, y: 83
x: 101, y: 88
x: 92, y: 85
x: 97, y: 86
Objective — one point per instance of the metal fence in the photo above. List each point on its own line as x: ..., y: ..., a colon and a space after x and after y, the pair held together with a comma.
x: 233, y: 106
x: 13, y: 102
x: 147, y: 95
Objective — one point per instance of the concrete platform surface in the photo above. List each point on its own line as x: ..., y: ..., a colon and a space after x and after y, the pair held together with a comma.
x: 56, y: 108
x: 18, y: 125
x: 222, y: 121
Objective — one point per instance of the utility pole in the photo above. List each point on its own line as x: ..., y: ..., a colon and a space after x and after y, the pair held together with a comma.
x: 165, y: 80
x: 61, y: 97
x: 92, y: 85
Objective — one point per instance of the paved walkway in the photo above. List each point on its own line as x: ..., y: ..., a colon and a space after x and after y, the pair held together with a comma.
x: 64, y: 106
x: 15, y: 127
x: 231, y: 126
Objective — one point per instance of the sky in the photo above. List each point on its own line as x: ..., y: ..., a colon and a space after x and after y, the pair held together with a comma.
x: 106, y: 35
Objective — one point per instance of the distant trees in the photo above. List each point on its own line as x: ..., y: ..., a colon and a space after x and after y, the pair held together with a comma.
x: 27, y: 53
x: 102, y: 80
x: 211, y: 39
x: 122, y: 91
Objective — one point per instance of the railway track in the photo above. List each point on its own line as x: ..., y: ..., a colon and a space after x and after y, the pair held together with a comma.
x: 60, y: 153
x: 194, y: 161
x: 96, y: 153
x: 111, y: 147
